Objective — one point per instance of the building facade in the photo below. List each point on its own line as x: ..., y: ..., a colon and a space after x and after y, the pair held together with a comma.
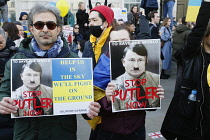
x: 18, y: 6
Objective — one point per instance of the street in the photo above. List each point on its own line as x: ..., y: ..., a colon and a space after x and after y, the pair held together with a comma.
x: 154, y: 119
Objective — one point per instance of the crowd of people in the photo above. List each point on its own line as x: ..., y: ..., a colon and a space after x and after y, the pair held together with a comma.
x: 92, y: 32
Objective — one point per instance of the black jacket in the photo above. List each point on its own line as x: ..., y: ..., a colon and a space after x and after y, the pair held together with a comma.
x: 82, y: 18
x: 175, y: 122
x: 6, y: 54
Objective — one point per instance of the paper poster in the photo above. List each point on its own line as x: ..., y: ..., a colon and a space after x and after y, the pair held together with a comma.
x: 135, y: 72
x: 68, y: 33
x: 46, y: 87
x: 192, y: 10
x: 120, y: 13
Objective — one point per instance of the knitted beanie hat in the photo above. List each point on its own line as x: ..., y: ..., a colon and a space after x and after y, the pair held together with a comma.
x: 106, y: 12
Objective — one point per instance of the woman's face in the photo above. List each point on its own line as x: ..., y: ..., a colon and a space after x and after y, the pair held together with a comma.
x: 76, y: 29
x: 24, y: 17
x: 135, y: 9
x: 82, y: 6
x: 2, y: 42
x: 78, y: 47
x: 168, y: 22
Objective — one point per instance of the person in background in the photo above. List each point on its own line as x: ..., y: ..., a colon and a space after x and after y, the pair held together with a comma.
x: 76, y: 37
x: 97, y: 48
x: 24, y: 21
x: 149, y: 5
x: 82, y: 21
x: 120, y: 21
x: 12, y: 32
x: 69, y: 19
x: 97, y: 4
x: 23, y: 16
x: 114, y: 23
x: 134, y: 16
x: 131, y: 27
x: 168, y: 10
x: 45, y: 24
x: 4, y: 10
x: 20, y: 29
x: 154, y: 19
x: 179, y: 39
x: 7, y: 50
x: 81, y: 46
x: 179, y: 21
x: 166, y: 36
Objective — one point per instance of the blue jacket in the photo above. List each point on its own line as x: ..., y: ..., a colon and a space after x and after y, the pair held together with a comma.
x: 149, y: 3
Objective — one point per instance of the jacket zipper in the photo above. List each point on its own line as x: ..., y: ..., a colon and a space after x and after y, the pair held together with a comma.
x: 202, y: 94
x: 185, y: 87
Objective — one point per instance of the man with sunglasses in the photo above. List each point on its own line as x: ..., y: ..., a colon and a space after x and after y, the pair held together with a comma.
x: 45, y: 25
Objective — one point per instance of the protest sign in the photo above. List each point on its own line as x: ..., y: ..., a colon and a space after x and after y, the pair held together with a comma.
x: 45, y: 87
x: 135, y: 73
x: 192, y: 10
x: 120, y: 13
x: 68, y: 33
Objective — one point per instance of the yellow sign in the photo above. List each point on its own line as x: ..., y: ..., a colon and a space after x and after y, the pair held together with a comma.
x: 192, y: 13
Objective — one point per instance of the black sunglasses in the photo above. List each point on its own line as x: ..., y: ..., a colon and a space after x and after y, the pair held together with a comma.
x: 39, y: 25
x: 76, y: 27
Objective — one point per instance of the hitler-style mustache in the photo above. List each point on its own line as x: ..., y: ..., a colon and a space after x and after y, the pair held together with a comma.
x: 42, y: 34
x: 135, y: 68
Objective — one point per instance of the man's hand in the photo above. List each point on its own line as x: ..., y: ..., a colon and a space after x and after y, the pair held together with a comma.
x: 94, y: 110
x: 160, y: 91
x: 110, y: 91
x: 7, y: 106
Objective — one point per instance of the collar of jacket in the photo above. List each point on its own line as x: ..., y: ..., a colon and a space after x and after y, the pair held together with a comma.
x: 97, y: 45
x: 25, y: 48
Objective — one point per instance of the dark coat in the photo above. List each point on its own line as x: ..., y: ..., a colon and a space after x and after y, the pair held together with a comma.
x: 6, y: 54
x: 149, y: 4
x: 180, y: 36
x: 154, y: 31
x: 82, y: 18
x: 48, y: 128
x: 191, y: 126
x: 144, y: 29
x: 6, y: 128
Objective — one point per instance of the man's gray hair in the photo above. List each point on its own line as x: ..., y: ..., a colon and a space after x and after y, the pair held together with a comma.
x: 2, y: 32
x: 41, y: 8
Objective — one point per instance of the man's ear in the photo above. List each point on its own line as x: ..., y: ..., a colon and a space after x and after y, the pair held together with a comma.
x: 105, y: 24
x: 30, y: 28
x: 123, y: 62
x: 59, y: 28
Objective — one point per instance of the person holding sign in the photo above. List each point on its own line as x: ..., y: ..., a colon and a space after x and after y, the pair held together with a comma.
x: 100, y: 20
x: 186, y: 119
x: 127, y: 125
x: 33, y: 89
x: 45, y: 25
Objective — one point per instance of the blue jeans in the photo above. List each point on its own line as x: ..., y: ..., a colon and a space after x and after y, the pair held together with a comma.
x: 168, y: 10
x: 4, y: 12
x: 140, y: 134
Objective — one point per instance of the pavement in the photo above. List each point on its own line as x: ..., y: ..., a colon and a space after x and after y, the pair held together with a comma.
x: 154, y: 119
